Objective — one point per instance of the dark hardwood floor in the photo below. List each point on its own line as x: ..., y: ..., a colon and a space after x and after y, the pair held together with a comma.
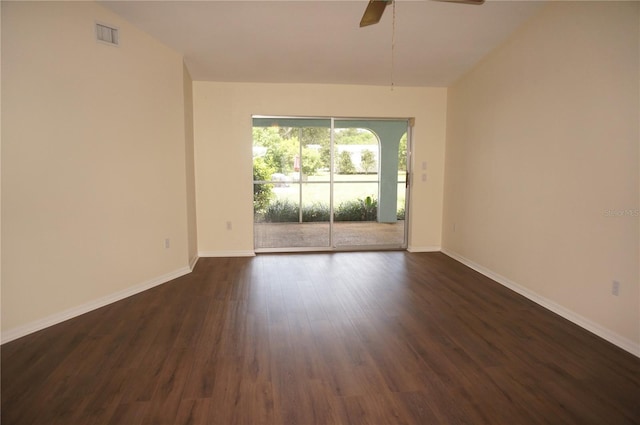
x: 341, y: 338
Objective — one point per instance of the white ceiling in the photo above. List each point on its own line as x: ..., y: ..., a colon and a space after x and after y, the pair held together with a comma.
x: 309, y: 41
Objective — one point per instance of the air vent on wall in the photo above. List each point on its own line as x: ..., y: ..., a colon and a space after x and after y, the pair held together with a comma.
x: 107, y: 34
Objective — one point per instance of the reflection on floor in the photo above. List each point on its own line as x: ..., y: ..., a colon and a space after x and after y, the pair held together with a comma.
x: 346, y: 234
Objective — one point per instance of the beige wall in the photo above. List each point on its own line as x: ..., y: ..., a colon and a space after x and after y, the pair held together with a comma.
x: 0, y: 162
x: 192, y: 231
x: 542, y: 141
x: 93, y: 161
x: 223, y: 144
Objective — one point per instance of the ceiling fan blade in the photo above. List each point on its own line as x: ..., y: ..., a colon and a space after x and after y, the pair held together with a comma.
x: 373, y: 12
x: 476, y: 2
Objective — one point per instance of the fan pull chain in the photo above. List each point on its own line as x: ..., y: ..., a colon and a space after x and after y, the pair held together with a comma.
x: 393, y: 41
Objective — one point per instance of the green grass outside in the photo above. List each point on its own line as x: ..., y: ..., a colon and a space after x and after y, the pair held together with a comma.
x: 346, y: 188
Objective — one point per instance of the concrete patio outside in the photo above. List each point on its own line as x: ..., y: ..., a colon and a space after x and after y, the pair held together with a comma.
x: 316, y: 235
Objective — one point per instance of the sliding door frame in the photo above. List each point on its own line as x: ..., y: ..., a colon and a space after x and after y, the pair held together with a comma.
x: 408, y: 181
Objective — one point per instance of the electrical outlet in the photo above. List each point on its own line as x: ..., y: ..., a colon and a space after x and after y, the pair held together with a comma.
x: 615, y: 288
x: 229, y: 225
x: 167, y: 243
x: 454, y: 227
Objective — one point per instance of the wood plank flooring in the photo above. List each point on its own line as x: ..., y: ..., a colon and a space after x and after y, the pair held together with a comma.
x: 337, y: 338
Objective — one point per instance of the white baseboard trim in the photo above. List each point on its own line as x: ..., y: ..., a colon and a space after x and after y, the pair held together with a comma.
x: 56, y: 318
x: 226, y: 254
x: 193, y: 262
x: 604, y: 333
x: 424, y: 249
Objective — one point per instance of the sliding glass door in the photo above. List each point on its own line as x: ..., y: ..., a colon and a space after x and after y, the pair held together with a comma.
x: 291, y: 183
x: 329, y: 183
